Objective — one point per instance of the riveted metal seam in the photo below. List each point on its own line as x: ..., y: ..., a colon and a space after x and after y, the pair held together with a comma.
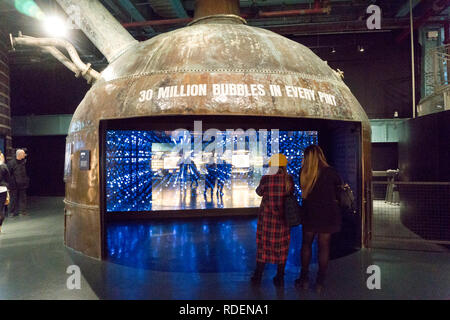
x: 237, y: 71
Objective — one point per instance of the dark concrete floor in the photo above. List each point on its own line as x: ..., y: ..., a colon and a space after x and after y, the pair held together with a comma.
x: 33, y: 264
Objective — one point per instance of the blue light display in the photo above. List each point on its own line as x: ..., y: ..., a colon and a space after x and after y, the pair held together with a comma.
x: 151, y: 171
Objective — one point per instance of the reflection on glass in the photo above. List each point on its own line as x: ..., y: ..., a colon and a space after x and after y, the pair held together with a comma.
x: 157, y: 170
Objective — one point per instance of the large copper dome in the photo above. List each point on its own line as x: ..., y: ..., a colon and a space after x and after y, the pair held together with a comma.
x: 198, y: 59
x: 218, y: 50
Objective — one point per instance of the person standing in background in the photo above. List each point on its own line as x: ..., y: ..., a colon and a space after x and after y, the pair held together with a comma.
x: 18, y: 184
x: 4, y: 178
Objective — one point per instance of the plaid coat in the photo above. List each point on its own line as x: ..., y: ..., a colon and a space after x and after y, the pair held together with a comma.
x: 272, y: 233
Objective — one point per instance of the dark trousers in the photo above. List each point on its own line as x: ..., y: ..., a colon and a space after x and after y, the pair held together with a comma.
x: 2, y: 207
x: 17, y: 201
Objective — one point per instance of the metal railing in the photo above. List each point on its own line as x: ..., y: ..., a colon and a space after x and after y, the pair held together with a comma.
x: 411, y: 215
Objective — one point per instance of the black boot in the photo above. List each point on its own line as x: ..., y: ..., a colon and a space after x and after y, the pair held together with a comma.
x: 320, y: 282
x: 257, y: 275
x: 278, y: 280
x: 302, y: 282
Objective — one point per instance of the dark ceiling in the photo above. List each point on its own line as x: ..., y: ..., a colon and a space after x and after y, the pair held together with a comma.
x: 145, y: 19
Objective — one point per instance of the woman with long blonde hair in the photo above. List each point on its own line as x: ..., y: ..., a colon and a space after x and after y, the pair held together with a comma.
x: 319, y: 184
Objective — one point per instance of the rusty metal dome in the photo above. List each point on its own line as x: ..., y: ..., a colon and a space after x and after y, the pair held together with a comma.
x: 216, y: 50
x: 277, y: 77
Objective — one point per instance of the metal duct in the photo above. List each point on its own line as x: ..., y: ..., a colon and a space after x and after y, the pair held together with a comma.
x: 105, y: 32
x: 168, y: 8
x: 5, y: 113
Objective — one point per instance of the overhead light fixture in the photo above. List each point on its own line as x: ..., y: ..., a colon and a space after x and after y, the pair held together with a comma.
x: 55, y: 26
x: 361, y: 49
x: 333, y: 50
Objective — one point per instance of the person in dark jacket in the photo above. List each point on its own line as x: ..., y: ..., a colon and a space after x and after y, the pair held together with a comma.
x: 272, y: 233
x: 319, y: 184
x: 18, y: 184
x: 4, y: 178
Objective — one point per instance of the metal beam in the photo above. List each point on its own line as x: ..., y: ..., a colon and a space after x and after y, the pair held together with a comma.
x: 168, y: 8
x: 135, y: 14
x: 178, y: 8
x: 330, y: 28
x: 112, y: 6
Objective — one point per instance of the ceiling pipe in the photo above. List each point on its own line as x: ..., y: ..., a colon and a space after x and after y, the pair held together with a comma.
x: 50, y: 44
x: 315, y: 28
x: 98, y: 24
x: 319, y: 8
x: 336, y: 27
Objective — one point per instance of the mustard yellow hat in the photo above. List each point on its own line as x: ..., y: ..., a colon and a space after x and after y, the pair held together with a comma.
x: 278, y: 159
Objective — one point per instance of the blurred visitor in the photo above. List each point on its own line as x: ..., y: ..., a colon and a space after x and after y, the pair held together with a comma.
x: 18, y: 184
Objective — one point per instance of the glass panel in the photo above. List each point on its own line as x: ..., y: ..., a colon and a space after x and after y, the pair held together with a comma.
x: 177, y: 170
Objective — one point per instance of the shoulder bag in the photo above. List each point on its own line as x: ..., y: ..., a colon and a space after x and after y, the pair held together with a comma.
x: 293, y: 212
x: 346, y: 199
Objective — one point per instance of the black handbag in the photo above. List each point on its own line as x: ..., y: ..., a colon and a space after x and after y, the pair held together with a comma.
x: 346, y: 199
x: 293, y: 212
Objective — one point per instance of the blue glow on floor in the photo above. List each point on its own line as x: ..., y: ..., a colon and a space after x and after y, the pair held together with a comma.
x: 198, y: 245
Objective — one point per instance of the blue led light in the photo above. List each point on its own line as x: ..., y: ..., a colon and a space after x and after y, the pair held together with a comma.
x: 132, y: 184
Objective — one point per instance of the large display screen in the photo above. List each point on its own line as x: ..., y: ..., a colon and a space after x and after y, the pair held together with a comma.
x: 178, y: 170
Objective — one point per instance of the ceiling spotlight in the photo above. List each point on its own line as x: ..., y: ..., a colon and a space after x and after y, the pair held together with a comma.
x: 333, y: 50
x: 55, y: 26
x: 361, y: 49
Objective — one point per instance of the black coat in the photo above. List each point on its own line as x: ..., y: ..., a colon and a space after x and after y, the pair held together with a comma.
x: 4, y: 176
x: 322, y: 213
x: 18, y: 178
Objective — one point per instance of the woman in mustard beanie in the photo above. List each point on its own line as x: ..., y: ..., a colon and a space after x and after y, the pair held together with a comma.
x: 272, y: 233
